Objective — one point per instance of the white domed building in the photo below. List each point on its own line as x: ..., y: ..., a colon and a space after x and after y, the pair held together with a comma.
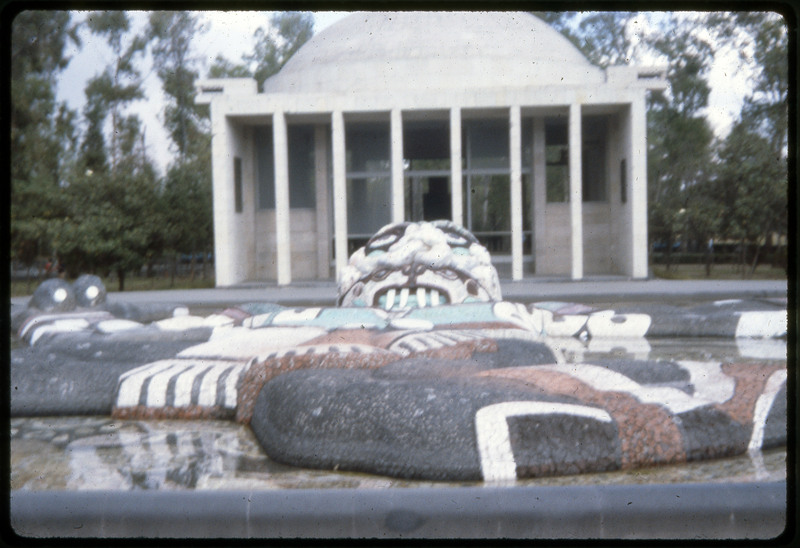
x: 493, y: 120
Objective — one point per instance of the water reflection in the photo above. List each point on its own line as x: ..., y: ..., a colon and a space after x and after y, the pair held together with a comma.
x: 88, y: 453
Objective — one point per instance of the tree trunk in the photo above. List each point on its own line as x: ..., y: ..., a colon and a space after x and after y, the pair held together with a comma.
x: 173, y: 269
x: 121, y: 279
x: 192, y: 263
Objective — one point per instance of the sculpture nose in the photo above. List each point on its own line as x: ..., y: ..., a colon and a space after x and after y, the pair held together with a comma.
x: 413, y: 270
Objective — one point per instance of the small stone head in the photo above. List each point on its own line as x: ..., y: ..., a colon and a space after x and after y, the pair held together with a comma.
x: 414, y: 265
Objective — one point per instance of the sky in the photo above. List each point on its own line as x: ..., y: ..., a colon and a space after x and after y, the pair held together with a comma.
x: 231, y: 34
x: 226, y: 33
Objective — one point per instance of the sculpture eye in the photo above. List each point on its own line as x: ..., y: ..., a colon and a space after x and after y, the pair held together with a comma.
x: 385, y: 238
x: 448, y: 273
x: 380, y: 274
x: 455, y: 240
x: 455, y: 235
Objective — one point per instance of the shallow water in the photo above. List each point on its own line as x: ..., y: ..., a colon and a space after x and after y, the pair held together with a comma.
x: 85, y: 453
x: 80, y: 453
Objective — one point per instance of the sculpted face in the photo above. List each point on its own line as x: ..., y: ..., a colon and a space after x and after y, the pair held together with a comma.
x: 408, y: 265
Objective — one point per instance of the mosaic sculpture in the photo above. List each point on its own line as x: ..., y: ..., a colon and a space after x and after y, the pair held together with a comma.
x: 422, y: 371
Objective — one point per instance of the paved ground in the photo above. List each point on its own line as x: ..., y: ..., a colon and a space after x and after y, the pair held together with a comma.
x: 595, y: 290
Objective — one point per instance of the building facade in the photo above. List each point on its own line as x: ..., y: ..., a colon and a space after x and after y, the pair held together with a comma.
x: 492, y: 120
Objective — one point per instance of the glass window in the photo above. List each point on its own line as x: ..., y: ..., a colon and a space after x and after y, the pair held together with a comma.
x: 428, y: 198
x: 488, y: 203
x: 426, y: 151
x: 369, y: 204
x: 369, y: 190
x: 237, y: 185
x: 487, y: 144
x: 556, y: 160
x: 368, y: 147
x: 527, y: 145
x: 527, y: 213
x: 557, y: 174
x: 265, y: 165
x: 593, y: 158
x: 302, y: 190
x: 427, y: 140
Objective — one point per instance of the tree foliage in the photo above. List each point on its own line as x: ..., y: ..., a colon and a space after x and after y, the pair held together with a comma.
x: 113, y: 220
x: 41, y: 129
x: 762, y: 40
x: 274, y: 46
x: 750, y: 188
x: 605, y: 38
x: 120, y: 83
x: 679, y: 135
x: 171, y: 34
x: 187, y: 186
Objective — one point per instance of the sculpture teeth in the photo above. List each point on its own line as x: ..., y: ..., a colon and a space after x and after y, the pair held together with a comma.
x: 434, y: 297
x: 390, y: 296
x: 421, y: 297
x: 403, y: 297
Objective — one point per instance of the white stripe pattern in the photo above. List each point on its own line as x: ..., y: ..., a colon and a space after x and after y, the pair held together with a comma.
x: 491, y: 430
x: 130, y: 386
x: 762, y: 324
x: 600, y: 378
x: 151, y: 383
x: 157, y: 388
x: 763, y: 405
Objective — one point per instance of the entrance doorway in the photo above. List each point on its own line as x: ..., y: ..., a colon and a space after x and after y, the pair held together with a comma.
x: 426, y: 169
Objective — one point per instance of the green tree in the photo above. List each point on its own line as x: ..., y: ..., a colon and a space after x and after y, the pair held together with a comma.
x: 763, y: 43
x: 679, y: 136
x: 751, y: 184
x: 761, y: 38
x: 224, y: 68
x: 187, y: 198
x: 607, y: 38
x: 171, y: 34
x: 604, y: 37
x: 187, y: 186
x: 286, y: 33
x: 121, y: 82
x: 41, y: 129
x: 114, y: 218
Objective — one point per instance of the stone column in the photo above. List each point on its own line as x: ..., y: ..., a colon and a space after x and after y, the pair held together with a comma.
x: 339, y: 192
x: 515, y: 155
x: 282, y: 243
x: 398, y: 196
x: 455, y: 166
x: 576, y: 190
x: 539, y: 193
x: 225, y: 240
x: 637, y: 185
x: 321, y: 188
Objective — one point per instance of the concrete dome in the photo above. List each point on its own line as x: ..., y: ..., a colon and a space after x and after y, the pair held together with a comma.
x: 390, y: 51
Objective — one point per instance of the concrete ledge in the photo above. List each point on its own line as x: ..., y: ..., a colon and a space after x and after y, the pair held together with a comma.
x: 671, y: 511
